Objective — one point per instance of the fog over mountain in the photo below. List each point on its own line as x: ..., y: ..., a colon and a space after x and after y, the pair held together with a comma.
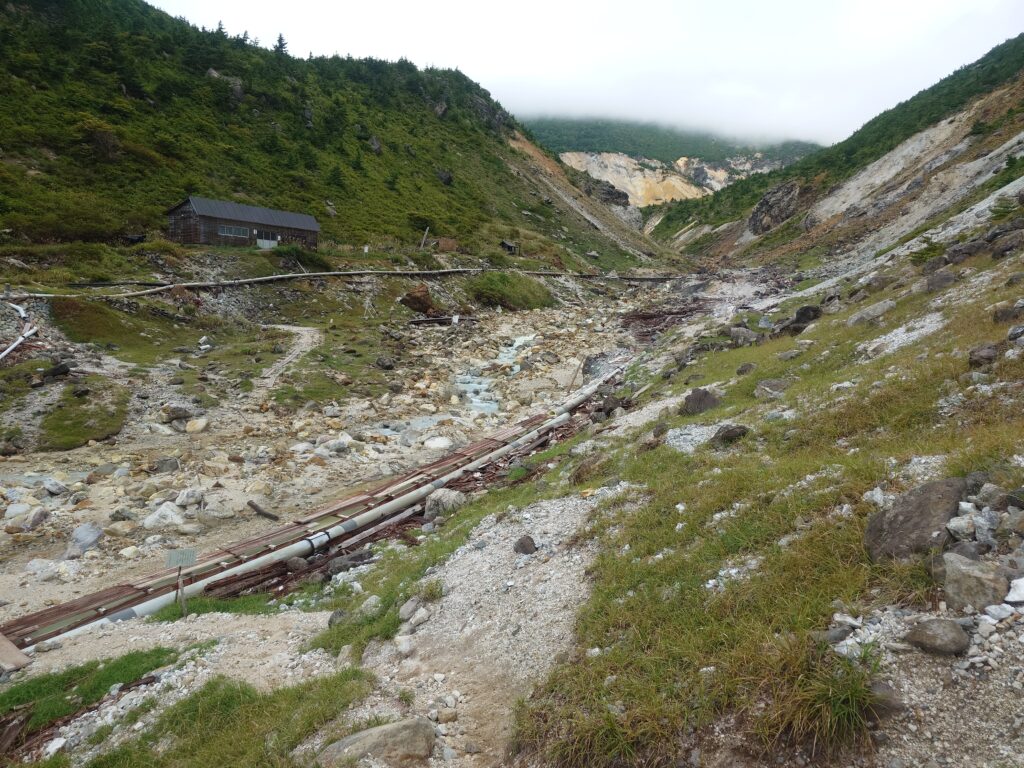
x: 823, y: 71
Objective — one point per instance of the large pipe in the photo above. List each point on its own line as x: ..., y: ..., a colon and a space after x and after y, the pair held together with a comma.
x: 18, y: 341
x: 319, y: 539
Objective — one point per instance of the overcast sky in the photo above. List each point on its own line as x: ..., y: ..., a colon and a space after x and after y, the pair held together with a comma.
x: 808, y: 69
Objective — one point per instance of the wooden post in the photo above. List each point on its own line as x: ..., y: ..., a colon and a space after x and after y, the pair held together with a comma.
x: 182, y: 601
x: 423, y: 242
x: 575, y: 374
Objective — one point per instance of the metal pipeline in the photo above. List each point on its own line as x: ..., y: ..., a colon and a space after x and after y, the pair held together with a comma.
x: 319, y: 539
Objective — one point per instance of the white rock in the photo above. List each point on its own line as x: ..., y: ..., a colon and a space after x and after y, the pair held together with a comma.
x: 404, y: 644
x: 167, y: 515
x: 130, y: 553
x: 408, y: 608
x: 421, y: 616
x: 189, y: 497
x: 961, y: 528
x: 53, y: 747
x: 370, y: 606
x: 1000, y: 612
x: 302, y: 448
x: 195, y: 426
x: 438, y: 443
x: 967, y: 508
x: 1016, y: 592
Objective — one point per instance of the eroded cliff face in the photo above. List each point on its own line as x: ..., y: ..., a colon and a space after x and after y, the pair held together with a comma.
x: 647, y: 182
x: 650, y: 182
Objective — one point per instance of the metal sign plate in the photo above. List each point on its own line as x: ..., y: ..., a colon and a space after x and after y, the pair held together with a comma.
x: 181, y: 558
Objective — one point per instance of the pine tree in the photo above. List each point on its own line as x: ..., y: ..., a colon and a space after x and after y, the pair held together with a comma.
x: 280, y: 47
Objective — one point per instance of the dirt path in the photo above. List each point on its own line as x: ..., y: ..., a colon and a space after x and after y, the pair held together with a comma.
x: 305, y: 340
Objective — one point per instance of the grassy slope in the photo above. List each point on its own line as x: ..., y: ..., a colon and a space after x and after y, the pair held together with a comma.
x: 677, y: 655
x: 649, y: 140
x: 111, y: 117
x: 879, y: 135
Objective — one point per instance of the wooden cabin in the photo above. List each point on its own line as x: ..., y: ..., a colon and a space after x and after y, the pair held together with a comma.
x: 220, y: 222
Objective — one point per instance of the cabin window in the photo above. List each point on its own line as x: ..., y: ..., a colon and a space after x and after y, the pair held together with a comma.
x: 266, y: 234
x: 228, y: 231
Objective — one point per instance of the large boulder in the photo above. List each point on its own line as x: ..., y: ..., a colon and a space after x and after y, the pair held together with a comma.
x: 916, y: 523
x: 406, y: 741
x: 972, y: 583
x: 778, y: 204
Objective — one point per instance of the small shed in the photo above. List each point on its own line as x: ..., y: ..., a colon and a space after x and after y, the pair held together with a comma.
x: 510, y: 248
x: 221, y: 222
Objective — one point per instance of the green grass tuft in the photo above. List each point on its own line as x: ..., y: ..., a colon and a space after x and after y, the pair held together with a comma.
x: 56, y: 695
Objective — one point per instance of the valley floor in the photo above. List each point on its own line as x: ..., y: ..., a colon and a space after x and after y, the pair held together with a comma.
x: 684, y: 579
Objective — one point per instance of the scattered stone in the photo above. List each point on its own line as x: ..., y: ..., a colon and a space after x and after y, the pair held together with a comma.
x: 525, y: 545
x: 771, y: 389
x: 336, y: 617
x: 441, y: 502
x: 961, y: 527
x: 916, y: 523
x: 728, y: 434
x: 939, y: 636
x: 370, y: 606
x: 167, y: 515
x: 972, y: 583
x: 162, y: 466
x: 939, y: 281
x: 195, y: 426
x: 745, y: 368
x: 699, y: 400
x: 1016, y: 594
x: 871, y: 313
x: 983, y: 356
x: 409, y: 607
x: 385, y: 363
x: 438, y: 443
x: 54, y: 487
x: 83, y: 538
x: 743, y: 336
x: 189, y: 497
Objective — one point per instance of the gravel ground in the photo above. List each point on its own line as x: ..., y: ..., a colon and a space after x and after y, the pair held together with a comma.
x: 498, y: 605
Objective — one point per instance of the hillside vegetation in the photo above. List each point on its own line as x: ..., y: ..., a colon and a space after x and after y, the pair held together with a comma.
x: 657, y: 142
x: 878, y: 136
x: 115, y: 111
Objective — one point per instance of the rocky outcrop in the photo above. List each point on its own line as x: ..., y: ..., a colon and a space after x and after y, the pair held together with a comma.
x: 775, y: 207
x: 646, y: 182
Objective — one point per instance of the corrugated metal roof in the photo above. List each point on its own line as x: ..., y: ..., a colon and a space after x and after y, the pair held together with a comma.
x: 252, y: 214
